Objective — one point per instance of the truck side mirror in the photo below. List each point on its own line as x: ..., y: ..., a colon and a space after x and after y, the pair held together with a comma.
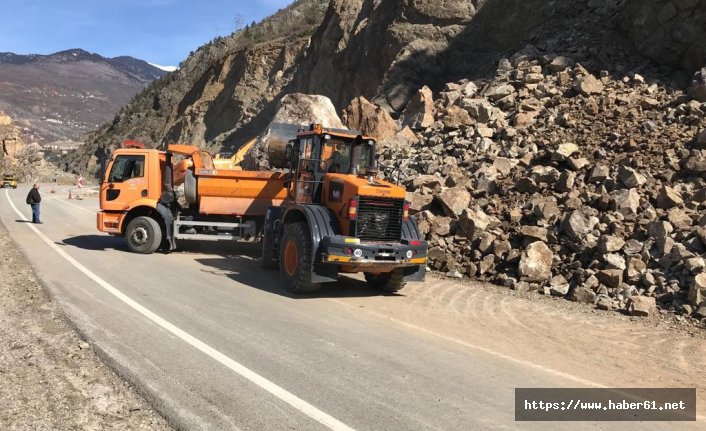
x: 103, y: 166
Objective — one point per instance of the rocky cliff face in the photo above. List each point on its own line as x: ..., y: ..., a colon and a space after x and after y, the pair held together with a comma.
x: 16, y: 156
x: 385, y: 51
x: 221, y: 96
x: 10, y: 141
x: 388, y: 50
x: 669, y: 32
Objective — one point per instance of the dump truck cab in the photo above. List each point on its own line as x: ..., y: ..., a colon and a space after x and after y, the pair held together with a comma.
x: 219, y: 205
x: 340, y: 217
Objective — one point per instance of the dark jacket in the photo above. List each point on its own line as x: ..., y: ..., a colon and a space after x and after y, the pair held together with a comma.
x: 33, y: 197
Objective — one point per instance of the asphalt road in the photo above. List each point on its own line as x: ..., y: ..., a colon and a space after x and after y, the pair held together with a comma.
x: 214, y: 343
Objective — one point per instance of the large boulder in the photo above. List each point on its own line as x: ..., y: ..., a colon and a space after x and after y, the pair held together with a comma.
x: 626, y: 201
x: 473, y: 222
x: 579, y: 223
x: 697, y: 291
x: 630, y: 177
x: 418, y: 202
x: 641, y: 306
x: 669, y: 198
x: 560, y: 64
x: 456, y: 117
x: 370, y: 119
x: 419, y: 113
x: 536, y: 262
x: 306, y: 109
x: 482, y: 110
x: 454, y: 200
x: 294, y: 111
x: 588, y: 85
x: 612, y: 278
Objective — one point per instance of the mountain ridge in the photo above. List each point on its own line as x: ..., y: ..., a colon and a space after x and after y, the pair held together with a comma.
x: 141, y: 69
x: 63, y: 95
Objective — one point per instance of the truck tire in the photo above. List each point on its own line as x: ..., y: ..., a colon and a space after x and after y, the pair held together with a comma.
x: 190, y: 186
x: 143, y: 235
x: 295, y: 256
x: 390, y: 282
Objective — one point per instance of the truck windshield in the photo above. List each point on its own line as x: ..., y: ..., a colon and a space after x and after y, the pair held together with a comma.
x: 337, y: 155
x: 127, y: 167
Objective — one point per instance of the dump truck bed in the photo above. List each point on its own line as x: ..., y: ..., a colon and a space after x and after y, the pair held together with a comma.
x: 239, y: 193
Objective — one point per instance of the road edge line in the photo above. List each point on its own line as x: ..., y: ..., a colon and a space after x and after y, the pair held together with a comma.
x: 262, y: 382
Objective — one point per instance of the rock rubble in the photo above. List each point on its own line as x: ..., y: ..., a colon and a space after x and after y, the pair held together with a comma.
x: 570, y: 182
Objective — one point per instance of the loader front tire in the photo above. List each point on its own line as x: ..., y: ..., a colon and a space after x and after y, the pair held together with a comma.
x: 296, y: 265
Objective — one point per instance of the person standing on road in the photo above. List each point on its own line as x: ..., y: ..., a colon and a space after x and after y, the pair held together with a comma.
x: 33, y: 199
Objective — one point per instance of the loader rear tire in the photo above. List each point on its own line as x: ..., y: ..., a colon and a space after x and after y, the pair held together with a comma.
x: 295, y: 259
x: 390, y: 282
x: 268, y: 260
x: 190, y: 188
x: 143, y: 235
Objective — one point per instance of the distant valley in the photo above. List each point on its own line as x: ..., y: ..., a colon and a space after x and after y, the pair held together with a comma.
x: 57, y: 98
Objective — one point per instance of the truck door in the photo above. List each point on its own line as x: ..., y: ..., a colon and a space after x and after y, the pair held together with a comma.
x: 125, y: 183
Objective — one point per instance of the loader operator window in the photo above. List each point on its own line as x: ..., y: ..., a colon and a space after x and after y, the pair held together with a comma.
x: 127, y: 167
x: 337, y: 155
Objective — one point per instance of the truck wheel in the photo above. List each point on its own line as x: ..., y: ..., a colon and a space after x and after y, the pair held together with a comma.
x: 143, y: 235
x: 296, y: 265
x: 390, y: 282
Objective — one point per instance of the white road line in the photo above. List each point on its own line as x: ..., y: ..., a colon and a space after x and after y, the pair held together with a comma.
x: 279, y: 392
x: 75, y: 206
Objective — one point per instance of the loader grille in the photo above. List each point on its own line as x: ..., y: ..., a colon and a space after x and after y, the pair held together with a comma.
x: 379, y: 219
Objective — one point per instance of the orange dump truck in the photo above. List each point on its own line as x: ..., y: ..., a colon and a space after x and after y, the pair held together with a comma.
x: 327, y: 214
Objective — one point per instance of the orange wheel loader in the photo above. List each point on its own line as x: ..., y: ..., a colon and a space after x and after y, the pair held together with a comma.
x: 326, y: 214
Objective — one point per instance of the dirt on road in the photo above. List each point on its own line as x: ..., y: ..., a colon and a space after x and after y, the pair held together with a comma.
x: 575, y: 341
x: 50, y: 378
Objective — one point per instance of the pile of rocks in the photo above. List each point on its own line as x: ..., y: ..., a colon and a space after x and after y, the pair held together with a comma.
x: 551, y: 178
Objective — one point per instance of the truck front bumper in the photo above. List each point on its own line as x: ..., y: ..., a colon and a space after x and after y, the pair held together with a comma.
x: 109, y: 222
x: 351, y: 251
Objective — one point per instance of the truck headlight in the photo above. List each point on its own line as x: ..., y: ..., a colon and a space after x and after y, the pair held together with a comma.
x: 358, y: 253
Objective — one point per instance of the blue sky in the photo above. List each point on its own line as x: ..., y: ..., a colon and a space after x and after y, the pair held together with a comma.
x: 158, y: 31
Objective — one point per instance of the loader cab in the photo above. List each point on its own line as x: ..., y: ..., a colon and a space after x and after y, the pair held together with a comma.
x: 318, y: 153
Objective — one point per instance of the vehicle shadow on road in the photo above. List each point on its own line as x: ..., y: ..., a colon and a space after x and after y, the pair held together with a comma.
x: 247, y: 270
x: 95, y: 242
x: 219, y: 248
